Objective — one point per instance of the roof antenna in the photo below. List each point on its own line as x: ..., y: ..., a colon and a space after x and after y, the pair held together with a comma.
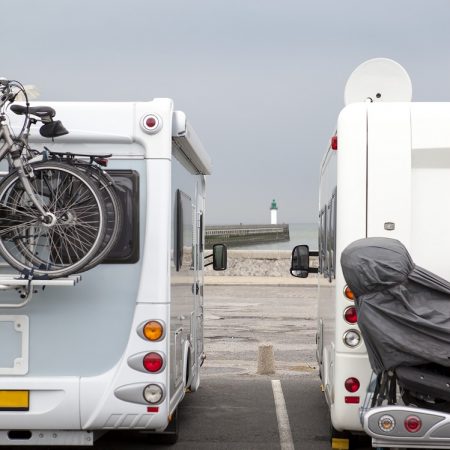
x: 378, y: 79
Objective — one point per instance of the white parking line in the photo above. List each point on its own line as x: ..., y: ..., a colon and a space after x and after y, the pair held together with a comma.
x: 284, y: 429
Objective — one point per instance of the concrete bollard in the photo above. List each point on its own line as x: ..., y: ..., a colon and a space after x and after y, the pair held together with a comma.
x: 266, y: 360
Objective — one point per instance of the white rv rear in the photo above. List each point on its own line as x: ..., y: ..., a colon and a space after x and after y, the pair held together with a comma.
x: 385, y: 173
x: 72, y: 359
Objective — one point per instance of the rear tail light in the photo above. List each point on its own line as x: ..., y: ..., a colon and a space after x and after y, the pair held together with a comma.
x: 386, y: 423
x: 101, y: 161
x: 153, y: 330
x: 348, y: 293
x: 153, y: 362
x: 352, y: 384
x: 153, y: 393
x: 151, y: 123
x: 413, y: 424
x: 350, y: 315
x: 352, y: 338
x: 334, y: 143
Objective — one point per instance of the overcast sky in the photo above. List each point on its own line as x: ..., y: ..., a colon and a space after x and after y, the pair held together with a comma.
x: 261, y: 81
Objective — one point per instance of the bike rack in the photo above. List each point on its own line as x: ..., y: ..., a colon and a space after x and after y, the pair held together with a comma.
x: 26, y: 286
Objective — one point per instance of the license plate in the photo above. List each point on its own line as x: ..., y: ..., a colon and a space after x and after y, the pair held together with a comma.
x: 14, y: 400
x: 14, y: 348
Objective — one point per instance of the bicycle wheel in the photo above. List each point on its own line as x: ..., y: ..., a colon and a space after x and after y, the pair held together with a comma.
x: 113, y: 214
x: 66, y: 243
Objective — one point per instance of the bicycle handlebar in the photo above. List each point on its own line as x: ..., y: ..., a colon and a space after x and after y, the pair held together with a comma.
x: 6, y: 91
x: 7, y: 85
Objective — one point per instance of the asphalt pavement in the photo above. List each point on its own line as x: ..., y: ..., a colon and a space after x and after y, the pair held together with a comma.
x: 240, y: 414
x: 235, y: 407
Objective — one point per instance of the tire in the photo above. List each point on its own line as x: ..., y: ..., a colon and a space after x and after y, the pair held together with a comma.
x: 170, y: 435
x: 77, y: 230
x: 114, y: 215
x: 167, y: 437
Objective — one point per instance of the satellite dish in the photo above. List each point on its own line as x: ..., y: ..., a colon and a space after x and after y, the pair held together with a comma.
x: 378, y: 79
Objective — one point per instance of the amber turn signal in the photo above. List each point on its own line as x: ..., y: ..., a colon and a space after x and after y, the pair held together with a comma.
x: 348, y: 293
x: 153, y: 330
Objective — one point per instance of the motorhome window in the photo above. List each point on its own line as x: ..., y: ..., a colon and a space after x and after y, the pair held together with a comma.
x: 323, y: 242
x: 334, y: 231
x: 330, y: 240
x: 126, y: 250
x: 178, y: 230
x: 201, y: 234
x: 320, y: 242
x: 183, y: 230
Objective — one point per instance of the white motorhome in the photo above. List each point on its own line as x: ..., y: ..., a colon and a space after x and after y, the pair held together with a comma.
x: 385, y: 173
x: 117, y: 347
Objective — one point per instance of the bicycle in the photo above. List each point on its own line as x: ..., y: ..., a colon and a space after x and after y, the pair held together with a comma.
x: 52, y: 214
x: 104, y: 182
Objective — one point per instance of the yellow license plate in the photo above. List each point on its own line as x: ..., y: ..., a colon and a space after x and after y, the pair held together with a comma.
x: 14, y: 400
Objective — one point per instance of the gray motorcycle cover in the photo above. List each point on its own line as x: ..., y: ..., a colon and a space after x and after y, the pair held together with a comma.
x: 403, y: 310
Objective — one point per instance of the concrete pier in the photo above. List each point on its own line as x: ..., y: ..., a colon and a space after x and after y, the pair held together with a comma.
x: 236, y: 235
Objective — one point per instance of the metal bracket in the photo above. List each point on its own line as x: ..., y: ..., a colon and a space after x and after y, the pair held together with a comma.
x: 28, y: 283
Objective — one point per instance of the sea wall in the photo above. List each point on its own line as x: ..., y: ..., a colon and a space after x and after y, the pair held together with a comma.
x: 257, y: 263
x: 235, y: 235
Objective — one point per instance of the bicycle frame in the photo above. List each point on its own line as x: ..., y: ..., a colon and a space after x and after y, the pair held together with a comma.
x: 18, y: 164
x: 5, y: 135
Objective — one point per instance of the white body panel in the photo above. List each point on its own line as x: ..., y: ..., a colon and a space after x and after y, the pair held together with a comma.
x: 391, y: 175
x: 81, y: 337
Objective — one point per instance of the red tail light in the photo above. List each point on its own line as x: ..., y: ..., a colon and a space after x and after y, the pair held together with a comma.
x: 101, y: 161
x: 153, y: 362
x: 350, y: 315
x: 151, y: 123
x: 352, y: 384
x: 334, y: 143
x: 413, y: 424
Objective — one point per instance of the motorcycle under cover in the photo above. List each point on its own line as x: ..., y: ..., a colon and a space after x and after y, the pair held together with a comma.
x: 403, y: 310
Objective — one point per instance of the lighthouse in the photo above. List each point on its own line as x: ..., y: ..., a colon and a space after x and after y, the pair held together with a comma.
x: 273, y: 212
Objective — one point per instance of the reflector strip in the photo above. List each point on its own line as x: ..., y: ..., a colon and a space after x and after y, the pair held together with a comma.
x: 351, y: 399
x: 153, y: 409
x: 14, y: 400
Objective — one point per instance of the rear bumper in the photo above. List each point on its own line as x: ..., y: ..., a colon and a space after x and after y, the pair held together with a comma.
x: 46, y: 437
x: 434, y: 432
x: 73, y: 403
x: 54, y: 403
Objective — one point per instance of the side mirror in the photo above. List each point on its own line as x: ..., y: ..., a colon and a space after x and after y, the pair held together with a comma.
x: 219, y: 257
x: 300, y: 261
